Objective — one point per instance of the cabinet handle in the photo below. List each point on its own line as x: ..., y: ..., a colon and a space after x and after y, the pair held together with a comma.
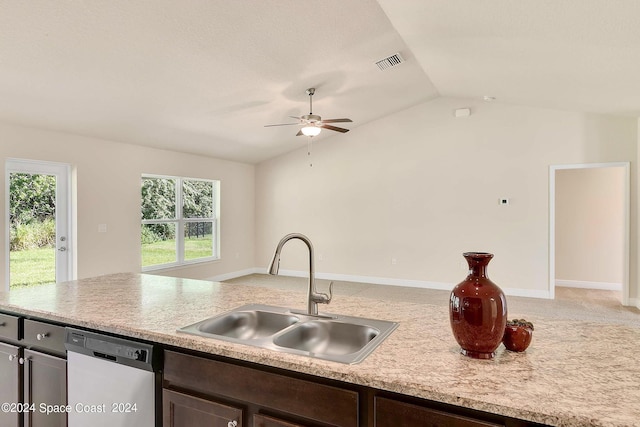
x: 11, y: 357
x: 233, y: 423
x: 21, y: 361
x: 40, y: 337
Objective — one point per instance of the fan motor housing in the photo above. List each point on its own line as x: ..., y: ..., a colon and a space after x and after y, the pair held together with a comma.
x: 311, y: 118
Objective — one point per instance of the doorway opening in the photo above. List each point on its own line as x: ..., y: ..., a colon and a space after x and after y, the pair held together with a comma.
x: 38, y: 221
x: 589, y: 227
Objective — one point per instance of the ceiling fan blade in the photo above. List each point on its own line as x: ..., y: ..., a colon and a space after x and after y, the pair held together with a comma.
x: 282, y: 124
x: 297, y: 118
x: 337, y: 121
x: 337, y: 129
x: 299, y: 133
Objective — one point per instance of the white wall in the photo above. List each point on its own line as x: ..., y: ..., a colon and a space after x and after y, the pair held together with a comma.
x: 422, y: 187
x: 589, y: 226
x: 108, y: 192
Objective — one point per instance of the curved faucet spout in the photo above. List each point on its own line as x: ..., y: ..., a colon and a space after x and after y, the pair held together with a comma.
x: 314, y: 298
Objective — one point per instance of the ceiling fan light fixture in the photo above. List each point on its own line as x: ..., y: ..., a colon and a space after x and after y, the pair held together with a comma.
x: 312, y: 124
x: 311, y: 130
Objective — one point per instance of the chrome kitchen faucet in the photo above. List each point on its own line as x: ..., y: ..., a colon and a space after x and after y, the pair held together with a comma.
x: 314, y: 298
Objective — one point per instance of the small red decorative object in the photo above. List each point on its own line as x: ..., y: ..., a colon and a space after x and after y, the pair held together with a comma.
x: 517, y: 335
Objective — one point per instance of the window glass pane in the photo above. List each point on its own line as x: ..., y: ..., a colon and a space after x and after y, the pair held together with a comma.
x: 197, y: 199
x: 198, y: 240
x: 158, y: 198
x: 158, y: 244
x: 32, y: 229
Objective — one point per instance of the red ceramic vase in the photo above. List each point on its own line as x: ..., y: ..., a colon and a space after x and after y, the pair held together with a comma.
x: 478, y: 310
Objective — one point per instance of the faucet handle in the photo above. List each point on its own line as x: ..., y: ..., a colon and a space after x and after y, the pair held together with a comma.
x: 330, y: 296
x: 321, y: 298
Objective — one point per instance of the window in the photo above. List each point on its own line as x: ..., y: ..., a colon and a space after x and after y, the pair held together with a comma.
x: 179, y: 221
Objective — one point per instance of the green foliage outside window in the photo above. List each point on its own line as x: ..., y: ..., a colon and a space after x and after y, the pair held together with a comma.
x: 32, y: 209
x: 170, y: 204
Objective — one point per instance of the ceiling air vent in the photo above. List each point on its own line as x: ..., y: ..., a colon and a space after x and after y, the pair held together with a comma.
x: 389, y: 62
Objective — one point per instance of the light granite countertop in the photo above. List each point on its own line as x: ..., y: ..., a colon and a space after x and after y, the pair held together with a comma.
x: 574, y: 374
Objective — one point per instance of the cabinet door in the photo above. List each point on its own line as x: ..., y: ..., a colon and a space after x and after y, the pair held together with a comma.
x: 260, y: 420
x: 11, y: 382
x: 45, y: 383
x: 392, y: 413
x: 182, y: 410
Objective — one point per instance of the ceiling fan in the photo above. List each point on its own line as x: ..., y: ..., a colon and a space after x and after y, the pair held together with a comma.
x: 311, y: 123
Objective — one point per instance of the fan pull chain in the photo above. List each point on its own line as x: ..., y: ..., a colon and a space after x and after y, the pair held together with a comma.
x: 309, y: 144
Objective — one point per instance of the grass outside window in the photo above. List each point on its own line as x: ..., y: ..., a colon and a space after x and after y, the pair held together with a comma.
x: 164, y: 252
x: 32, y: 266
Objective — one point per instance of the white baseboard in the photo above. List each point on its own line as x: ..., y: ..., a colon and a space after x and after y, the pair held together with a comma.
x: 634, y: 302
x: 529, y: 293
x: 234, y: 274
x: 589, y: 285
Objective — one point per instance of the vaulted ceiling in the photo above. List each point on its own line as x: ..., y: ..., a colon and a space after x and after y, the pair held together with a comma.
x: 205, y: 77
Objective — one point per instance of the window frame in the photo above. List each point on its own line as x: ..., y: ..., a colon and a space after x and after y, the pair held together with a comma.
x: 179, y: 220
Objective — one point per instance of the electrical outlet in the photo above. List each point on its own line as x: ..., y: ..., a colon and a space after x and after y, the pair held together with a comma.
x: 394, y: 261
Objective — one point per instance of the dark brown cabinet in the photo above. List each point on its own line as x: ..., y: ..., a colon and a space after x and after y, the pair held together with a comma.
x: 9, y: 327
x: 393, y: 413
x: 266, y: 421
x: 11, y: 385
x: 267, y: 399
x: 204, y: 391
x: 44, y: 336
x: 10, y: 370
x: 184, y: 410
x: 33, y: 370
x: 45, y: 384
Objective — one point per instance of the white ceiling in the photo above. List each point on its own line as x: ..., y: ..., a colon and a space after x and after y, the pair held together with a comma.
x: 205, y: 76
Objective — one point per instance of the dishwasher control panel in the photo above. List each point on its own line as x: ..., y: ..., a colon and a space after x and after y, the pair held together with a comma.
x: 119, y: 350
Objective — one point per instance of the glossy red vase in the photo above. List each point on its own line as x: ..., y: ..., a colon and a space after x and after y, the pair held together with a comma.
x: 478, y: 310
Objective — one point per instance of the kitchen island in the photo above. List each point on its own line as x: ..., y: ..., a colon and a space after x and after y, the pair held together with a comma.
x: 574, y: 374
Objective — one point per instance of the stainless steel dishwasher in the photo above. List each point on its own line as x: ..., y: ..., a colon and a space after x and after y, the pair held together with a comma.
x: 111, y: 382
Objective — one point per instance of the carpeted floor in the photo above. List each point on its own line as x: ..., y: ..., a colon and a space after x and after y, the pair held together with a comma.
x: 570, y: 303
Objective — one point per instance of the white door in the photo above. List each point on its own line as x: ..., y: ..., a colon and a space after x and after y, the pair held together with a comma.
x: 47, y: 257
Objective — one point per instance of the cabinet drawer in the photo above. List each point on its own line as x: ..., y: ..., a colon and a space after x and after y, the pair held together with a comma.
x: 260, y: 420
x: 300, y: 398
x: 393, y: 413
x: 44, y: 336
x: 9, y: 327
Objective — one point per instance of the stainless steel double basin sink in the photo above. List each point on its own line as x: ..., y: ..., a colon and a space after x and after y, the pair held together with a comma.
x: 338, y: 338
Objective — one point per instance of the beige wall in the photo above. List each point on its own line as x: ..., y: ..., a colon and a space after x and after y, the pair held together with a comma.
x: 422, y: 187
x: 589, y: 208
x: 108, y: 192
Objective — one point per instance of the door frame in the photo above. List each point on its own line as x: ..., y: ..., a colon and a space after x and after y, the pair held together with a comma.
x: 626, y: 225
x: 65, y: 266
